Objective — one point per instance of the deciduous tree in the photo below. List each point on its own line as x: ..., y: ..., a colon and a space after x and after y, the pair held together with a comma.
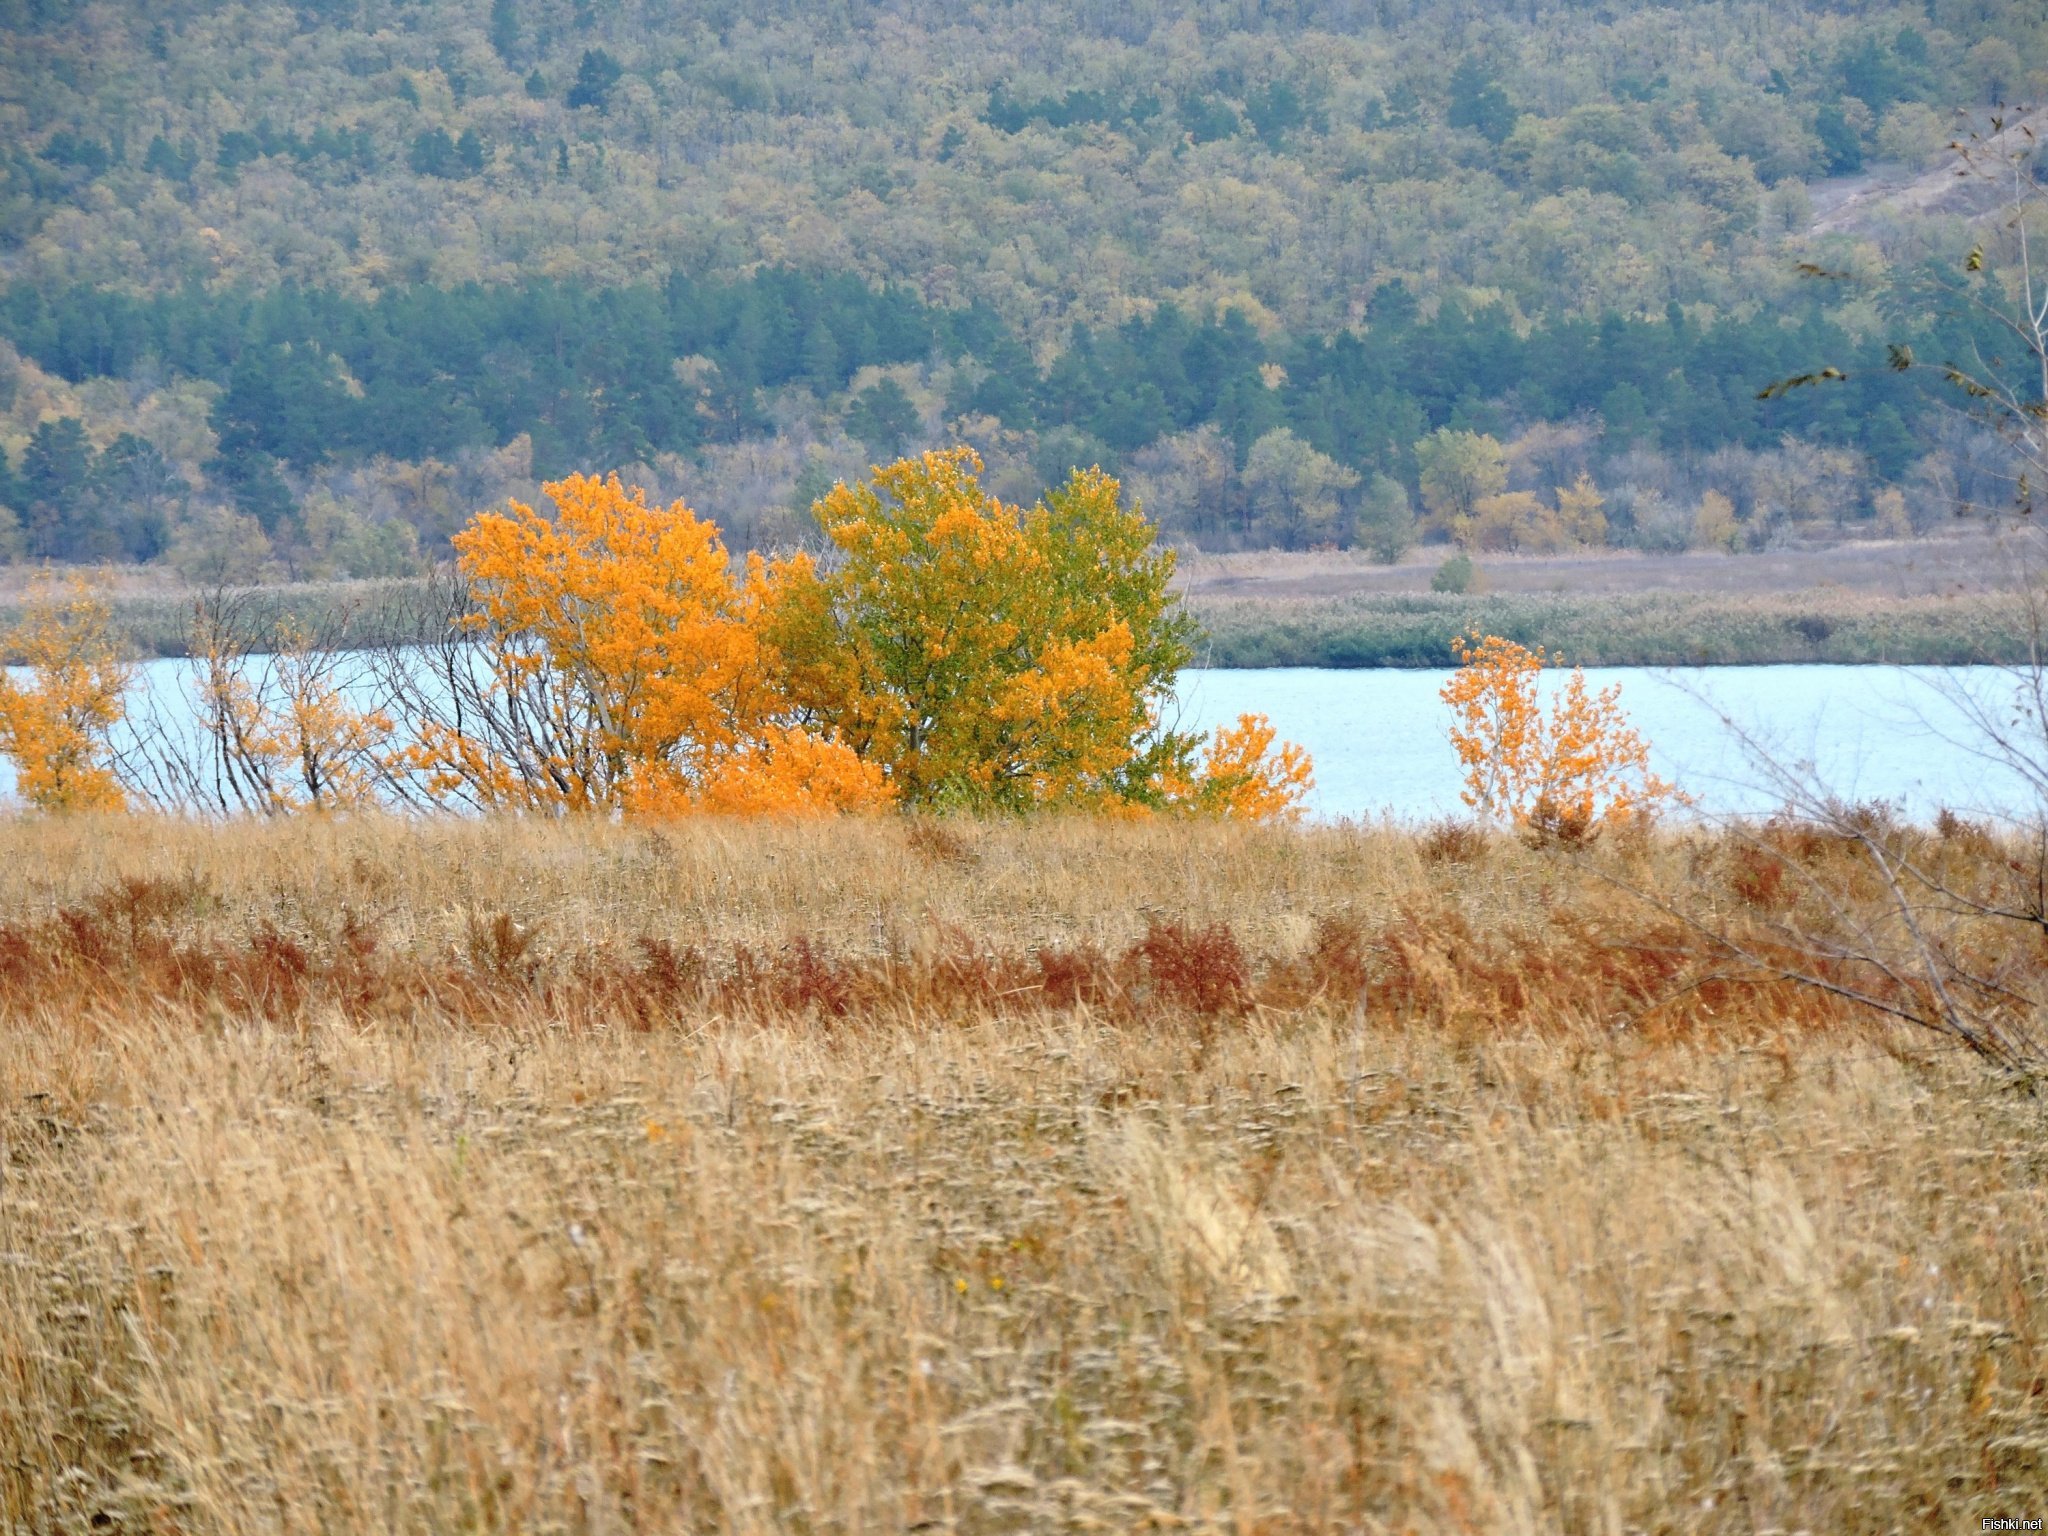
x: 1567, y: 770
x: 610, y: 659
x: 993, y: 657
x: 1458, y: 470
x: 57, y: 726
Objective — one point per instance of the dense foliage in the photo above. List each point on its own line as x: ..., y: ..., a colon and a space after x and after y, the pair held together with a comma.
x: 311, y: 279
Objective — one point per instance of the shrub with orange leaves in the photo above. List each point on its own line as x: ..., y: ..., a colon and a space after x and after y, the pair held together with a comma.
x: 1566, y: 771
x: 1235, y: 774
x: 57, y: 726
x: 994, y: 657
x: 1244, y: 779
x: 614, y: 662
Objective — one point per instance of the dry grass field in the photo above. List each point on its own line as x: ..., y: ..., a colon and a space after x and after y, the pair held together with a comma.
x: 1969, y: 560
x: 951, y: 1177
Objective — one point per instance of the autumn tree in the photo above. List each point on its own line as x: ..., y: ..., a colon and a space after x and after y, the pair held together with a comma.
x: 1237, y: 774
x: 1714, y: 525
x: 1458, y: 470
x: 1512, y: 521
x: 1566, y: 770
x: 1583, y: 511
x: 989, y: 656
x: 608, y: 658
x: 282, y: 726
x: 57, y: 726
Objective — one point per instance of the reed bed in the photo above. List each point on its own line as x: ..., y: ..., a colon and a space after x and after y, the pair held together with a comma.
x: 1635, y: 629
x: 889, y: 1176
x: 1373, y: 629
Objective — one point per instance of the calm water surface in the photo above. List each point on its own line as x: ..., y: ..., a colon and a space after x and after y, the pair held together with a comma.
x: 1378, y: 737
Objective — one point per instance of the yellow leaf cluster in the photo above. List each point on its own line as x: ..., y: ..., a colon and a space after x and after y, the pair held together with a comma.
x: 1568, y: 770
x: 286, y: 735
x: 56, y: 725
x: 989, y: 656
x: 1241, y: 776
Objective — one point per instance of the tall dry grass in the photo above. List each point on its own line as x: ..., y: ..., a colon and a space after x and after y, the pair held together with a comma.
x: 371, y: 1177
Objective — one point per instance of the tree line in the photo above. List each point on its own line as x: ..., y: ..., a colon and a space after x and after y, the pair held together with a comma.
x: 616, y: 377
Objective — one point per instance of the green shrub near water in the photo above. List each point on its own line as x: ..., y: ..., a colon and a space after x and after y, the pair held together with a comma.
x: 1635, y: 629
x: 1654, y: 629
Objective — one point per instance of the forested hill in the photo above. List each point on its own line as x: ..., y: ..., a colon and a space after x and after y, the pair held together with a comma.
x: 342, y: 265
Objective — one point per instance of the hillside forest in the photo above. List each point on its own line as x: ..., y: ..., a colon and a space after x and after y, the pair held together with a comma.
x: 290, y: 290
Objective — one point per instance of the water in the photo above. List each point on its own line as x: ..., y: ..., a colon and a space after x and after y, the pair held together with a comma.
x: 1869, y: 733
x: 1380, y: 748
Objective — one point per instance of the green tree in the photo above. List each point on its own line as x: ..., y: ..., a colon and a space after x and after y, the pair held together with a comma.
x: 56, y: 473
x: 883, y: 418
x: 433, y: 154
x: 1477, y: 101
x: 1297, y: 492
x: 1840, y: 143
x: 1384, y: 525
x: 596, y: 74
x: 1457, y: 470
x: 505, y: 30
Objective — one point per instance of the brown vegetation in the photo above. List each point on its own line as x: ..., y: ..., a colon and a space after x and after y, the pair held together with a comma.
x: 370, y: 1175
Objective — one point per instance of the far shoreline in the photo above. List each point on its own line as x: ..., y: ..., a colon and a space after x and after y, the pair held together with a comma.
x: 1256, y: 626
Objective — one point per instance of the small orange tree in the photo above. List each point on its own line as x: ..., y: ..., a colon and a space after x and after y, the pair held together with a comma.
x: 57, y: 726
x: 1239, y: 776
x: 993, y: 657
x: 612, y: 661
x: 1565, y: 772
x: 280, y: 728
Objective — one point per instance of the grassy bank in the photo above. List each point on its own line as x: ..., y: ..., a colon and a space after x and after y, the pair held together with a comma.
x: 897, y: 1176
x: 157, y: 621
x: 1630, y: 629
x: 1374, y: 630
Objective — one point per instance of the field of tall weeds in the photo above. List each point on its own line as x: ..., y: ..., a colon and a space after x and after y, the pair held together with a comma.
x: 953, y: 1176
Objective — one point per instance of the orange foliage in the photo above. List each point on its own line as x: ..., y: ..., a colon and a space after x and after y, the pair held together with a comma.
x: 1240, y: 776
x: 627, y: 665
x: 1567, y: 771
x: 607, y: 656
x: 56, y: 726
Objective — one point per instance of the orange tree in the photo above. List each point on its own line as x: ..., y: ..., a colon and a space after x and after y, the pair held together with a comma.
x: 1566, y: 771
x: 993, y: 657
x: 609, y: 659
x: 57, y: 726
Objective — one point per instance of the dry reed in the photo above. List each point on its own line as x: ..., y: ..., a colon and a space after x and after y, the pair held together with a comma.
x: 897, y: 1176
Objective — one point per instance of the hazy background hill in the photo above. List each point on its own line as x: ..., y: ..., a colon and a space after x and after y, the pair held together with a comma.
x: 293, y: 288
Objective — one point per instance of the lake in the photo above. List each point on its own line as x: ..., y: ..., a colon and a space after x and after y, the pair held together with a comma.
x: 1380, y: 748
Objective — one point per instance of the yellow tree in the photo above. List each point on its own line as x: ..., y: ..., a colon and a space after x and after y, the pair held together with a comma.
x: 1457, y: 471
x: 281, y: 730
x: 57, y: 726
x: 1583, y: 510
x: 1566, y: 771
x: 986, y: 655
x: 612, y: 661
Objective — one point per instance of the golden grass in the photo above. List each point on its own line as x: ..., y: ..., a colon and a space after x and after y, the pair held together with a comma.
x: 376, y: 1177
